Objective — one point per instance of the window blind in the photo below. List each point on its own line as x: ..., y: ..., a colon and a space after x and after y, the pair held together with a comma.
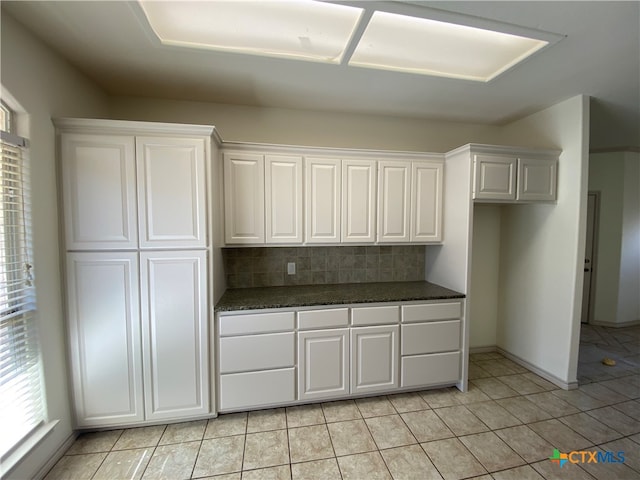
x: 21, y: 400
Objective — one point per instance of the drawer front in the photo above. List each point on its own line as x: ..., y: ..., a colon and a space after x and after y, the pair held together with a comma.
x: 374, y: 315
x: 313, y: 319
x: 435, y: 369
x: 246, y: 324
x: 431, y: 311
x: 432, y: 337
x: 256, y: 352
x: 255, y: 389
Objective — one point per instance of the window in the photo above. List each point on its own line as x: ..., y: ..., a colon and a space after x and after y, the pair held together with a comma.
x: 6, y: 118
x: 21, y: 398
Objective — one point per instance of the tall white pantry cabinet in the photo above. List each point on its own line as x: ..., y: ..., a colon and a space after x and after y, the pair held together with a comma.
x: 134, y: 198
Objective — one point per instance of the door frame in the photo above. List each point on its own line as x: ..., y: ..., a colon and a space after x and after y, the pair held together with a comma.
x: 594, y: 256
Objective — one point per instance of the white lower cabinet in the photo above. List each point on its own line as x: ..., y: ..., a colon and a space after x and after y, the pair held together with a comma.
x: 431, y: 343
x: 374, y: 359
x: 433, y: 369
x: 323, y: 363
x: 267, y: 359
x: 257, y: 389
x: 256, y: 360
x: 130, y: 367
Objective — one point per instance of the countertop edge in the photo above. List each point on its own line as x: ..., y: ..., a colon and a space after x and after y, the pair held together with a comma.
x: 358, y: 297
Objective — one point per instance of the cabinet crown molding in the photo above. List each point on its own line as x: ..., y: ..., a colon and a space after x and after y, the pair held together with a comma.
x: 531, y: 152
x: 126, y: 127
x: 331, y: 152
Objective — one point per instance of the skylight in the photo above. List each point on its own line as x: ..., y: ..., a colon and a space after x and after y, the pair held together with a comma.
x: 421, y: 45
x: 331, y: 33
x: 303, y: 30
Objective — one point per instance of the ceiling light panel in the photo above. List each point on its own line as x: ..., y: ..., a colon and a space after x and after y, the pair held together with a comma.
x: 430, y: 47
x: 300, y: 29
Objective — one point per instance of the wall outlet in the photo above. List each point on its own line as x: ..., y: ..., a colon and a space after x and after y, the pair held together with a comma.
x: 291, y: 268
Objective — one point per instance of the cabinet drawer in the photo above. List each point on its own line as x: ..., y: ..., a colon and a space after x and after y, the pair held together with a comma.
x: 311, y: 319
x: 245, y: 324
x: 256, y: 352
x: 255, y: 389
x: 435, y: 369
x: 430, y: 337
x: 431, y: 311
x: 374, y: 315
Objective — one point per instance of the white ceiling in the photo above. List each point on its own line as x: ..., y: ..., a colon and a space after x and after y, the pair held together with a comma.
x: 600, y: 57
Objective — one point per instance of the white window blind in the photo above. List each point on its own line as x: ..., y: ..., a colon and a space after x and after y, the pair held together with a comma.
x: 21, y: 398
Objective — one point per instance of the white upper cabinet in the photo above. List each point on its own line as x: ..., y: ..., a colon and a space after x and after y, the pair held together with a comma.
x: 426, y: 201
x: 394, y: 189
x: 322, y: 186
x: 358, y: 201
x: 299, y: 196
x: 171, y: 192
x: 244, y: 198
x: 514, y: 176
x: 99, y: 191
x: 494, y: 177
x: 174, y: 333
x: 283, y: 199
x: 128, y: 192
x: 537, y: 179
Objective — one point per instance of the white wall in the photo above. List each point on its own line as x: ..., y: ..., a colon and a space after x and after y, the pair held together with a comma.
x: 628, y: 297
x: 45, y: 86
x: 542, y: 248
x: 485, y: 267
x: 606, y: 175
x: 304, y: 127
x: 616, y: 175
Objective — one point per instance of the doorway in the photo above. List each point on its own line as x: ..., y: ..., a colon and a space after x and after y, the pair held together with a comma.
x: 588, y: 292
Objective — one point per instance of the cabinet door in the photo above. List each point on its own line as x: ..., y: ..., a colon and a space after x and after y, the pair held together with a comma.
x: 104, y: 331
x: 358, y: 201
x: 374, y: 358
x: 494, y: 177
x: 99, y: 192
x: 393, y: 201
x: 323, y: 363
x: 243, y: 198
x: 283, y: 198
x: 171, y: 192
x: 174, y: 327
x: 537, y: 179
x: 322, y: 186
x: 426, y: 202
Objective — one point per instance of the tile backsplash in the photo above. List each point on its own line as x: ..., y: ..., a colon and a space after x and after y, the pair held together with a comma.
x: 267, y: 267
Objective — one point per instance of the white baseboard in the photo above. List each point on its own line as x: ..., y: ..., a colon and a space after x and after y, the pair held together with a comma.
x: 599, y: 323
x: 56, y: 456
x: 489, y: 349
x: 538, y: 371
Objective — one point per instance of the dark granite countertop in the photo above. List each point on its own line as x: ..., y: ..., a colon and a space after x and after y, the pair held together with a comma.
x: 337, y: 294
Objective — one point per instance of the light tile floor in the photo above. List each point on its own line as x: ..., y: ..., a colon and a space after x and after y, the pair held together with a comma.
x: 505, y: 427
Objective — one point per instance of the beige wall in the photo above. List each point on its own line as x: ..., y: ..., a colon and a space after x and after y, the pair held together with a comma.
x: 304, y: 127
x: 36, y: 81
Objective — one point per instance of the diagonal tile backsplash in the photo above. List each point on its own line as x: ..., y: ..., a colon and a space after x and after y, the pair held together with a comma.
x: 267, y: 267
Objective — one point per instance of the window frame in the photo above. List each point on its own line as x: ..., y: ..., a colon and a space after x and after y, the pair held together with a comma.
x: 19, y: 315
